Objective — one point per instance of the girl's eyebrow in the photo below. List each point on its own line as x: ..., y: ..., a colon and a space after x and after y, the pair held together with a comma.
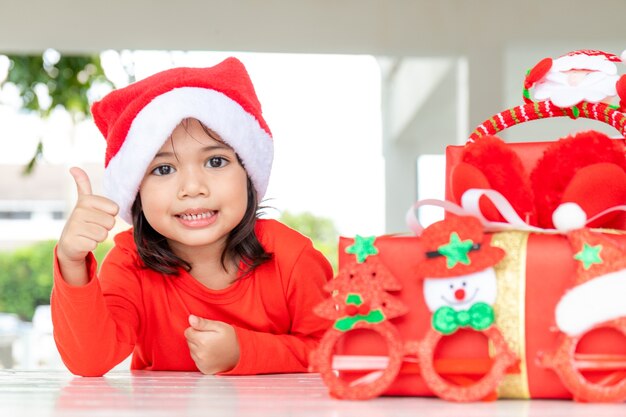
x: 205, y: 149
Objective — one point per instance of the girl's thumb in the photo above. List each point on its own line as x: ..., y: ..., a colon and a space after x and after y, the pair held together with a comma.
x: 199, y: 323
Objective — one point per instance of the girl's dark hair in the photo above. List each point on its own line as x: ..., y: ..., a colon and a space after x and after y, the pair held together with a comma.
x: 241, y: 242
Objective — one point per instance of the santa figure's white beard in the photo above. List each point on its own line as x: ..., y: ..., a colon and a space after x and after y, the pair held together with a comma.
x: 594, y: 88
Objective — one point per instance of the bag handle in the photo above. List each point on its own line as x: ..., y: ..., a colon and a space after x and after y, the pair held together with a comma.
x: 545, y: 109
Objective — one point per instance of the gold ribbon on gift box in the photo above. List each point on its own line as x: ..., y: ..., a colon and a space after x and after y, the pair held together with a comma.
x: 510, y: 308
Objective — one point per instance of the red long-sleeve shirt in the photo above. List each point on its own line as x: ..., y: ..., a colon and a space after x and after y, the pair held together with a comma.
x: 128, y: 308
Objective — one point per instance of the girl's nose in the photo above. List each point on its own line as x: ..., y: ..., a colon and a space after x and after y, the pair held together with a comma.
x: 192, y: 184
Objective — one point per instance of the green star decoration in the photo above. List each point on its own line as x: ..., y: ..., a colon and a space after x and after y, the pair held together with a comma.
x: 456, y: 250
x: 589, y: 255
x: 362, y: 248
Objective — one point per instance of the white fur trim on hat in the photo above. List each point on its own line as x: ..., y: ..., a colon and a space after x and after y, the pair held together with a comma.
x: 158, y: 119
x: 593, y: 302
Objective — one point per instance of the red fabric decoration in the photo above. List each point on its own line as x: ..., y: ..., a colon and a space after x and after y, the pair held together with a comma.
x: 360, y: 301
x: 602, y: 186
x: 587, y: 168
x: 612, y: 255
x: 565, y: 364
x: 466, y: 228
x: 620, y: 86
x: 480, y: 390
x: 503, y: 172
x: 371, y: 275
x: 585, y: 183
x: 373, y: 383
x: 538, y: 72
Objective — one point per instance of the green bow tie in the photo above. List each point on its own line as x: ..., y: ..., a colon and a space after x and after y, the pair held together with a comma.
x: 446, y: 320
x: 347, y: 323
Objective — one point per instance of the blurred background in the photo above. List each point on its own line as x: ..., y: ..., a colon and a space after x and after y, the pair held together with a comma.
x: 362, y: 97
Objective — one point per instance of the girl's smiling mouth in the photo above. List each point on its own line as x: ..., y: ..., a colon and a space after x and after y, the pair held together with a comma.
x: 197, y: 217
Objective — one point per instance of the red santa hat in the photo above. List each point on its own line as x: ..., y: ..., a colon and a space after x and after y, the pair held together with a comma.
x: 456, y: 246
x: 600, y: 281
x: 588, y: 59
x: 136, y: 120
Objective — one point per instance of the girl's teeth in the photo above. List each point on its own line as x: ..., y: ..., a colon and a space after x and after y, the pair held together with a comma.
x: 195, y: 216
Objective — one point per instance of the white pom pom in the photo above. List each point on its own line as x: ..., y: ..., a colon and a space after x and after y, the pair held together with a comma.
x: 569, y: 216
x: 623, y: 56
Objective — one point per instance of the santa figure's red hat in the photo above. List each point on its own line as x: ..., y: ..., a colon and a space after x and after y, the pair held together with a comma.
x: 600, y: 283
x: 456, y: 246
x: 588, y: 59
x: 136, y: 120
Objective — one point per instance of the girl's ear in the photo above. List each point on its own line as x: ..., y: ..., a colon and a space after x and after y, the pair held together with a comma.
x: 489, y: 163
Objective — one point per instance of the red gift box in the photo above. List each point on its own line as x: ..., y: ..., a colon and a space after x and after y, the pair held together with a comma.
x: 535, y: 273
x: 551, y: 325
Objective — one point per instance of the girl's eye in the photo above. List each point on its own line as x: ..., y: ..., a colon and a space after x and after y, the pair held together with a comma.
x: 217, y: 162
x: 163, y: 170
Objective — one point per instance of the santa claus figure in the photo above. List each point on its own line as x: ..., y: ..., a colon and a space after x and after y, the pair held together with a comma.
x: 598, y: 294
x: 595, y: 301
x: 585, y: 75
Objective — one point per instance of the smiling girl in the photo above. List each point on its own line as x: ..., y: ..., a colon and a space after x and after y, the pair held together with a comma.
x: 199, y: 282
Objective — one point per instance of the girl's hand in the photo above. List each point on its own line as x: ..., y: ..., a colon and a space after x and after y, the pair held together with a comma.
x: 89, y: 224
x: 213, y: 345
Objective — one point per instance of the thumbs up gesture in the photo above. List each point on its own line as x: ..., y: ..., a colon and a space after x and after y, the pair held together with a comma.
x: 213, y: 345
x: 89, y: 224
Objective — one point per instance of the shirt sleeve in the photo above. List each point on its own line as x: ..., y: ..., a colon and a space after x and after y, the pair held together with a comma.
x: 95, y: 330
x: 261, y: 352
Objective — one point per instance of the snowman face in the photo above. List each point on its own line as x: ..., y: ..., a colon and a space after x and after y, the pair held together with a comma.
x: 461, y: 292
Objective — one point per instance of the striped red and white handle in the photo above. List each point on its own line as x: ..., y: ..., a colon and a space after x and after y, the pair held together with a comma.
x: 545, y: 109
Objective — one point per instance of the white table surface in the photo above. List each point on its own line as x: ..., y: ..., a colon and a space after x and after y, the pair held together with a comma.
x: 122, y: 393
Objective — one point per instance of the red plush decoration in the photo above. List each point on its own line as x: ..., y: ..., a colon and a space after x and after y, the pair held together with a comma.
x: 489, y: 163
x: 480, y: 390
x: 538, y: 72
x: 567, y: 365
x: 480, y: 254
x: 465, y: 177
x: 359, y: 301
x: 375, y: 381
x: 587, y: 168
x: 594, y: 303
x: 585, y: 184
x: 620, y: 86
